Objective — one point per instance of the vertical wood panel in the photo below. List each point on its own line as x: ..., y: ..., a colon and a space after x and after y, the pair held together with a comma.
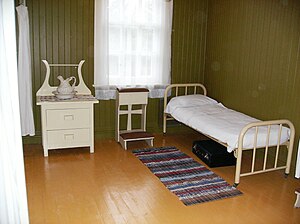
x: 67, y: 34
x: 188, y: 40
x: 49, y: 31
x: 35, y: 50
x: 55, y: 40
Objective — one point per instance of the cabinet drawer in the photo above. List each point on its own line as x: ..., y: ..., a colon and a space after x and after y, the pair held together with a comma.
x: 65, y: 119
x: 68, y: 138
x: 133, y: 98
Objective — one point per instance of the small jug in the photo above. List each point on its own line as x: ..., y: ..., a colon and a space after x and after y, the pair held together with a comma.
x: 65, y: 87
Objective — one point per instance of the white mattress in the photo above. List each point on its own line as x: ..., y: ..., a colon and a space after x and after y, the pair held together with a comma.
x: 214, y: 119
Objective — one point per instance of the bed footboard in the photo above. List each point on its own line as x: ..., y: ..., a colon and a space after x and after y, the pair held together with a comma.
x: 289, y: 146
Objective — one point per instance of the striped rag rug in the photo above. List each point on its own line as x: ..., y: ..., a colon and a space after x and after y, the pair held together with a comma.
x: 189, y: 180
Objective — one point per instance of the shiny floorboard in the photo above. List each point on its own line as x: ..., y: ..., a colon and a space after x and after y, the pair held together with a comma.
x: 113, y: 186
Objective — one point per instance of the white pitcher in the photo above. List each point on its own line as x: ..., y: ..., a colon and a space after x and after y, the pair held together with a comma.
x: 65, y: 87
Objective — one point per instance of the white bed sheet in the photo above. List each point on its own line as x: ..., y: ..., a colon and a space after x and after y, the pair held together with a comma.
x: 224, y: 124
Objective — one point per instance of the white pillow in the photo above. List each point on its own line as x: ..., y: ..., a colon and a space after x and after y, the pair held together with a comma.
x: 189, y: 101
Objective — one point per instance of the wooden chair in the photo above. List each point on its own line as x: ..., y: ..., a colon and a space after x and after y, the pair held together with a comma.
x: 130, y: 97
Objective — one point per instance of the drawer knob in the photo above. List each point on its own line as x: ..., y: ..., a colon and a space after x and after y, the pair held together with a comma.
x: 69, y: 117
x: 69, y: 137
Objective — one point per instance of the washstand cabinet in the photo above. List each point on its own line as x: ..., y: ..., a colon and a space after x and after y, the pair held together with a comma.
x: 66, y: 123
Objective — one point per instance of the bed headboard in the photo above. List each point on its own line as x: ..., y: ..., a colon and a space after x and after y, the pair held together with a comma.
x: 174, y: 90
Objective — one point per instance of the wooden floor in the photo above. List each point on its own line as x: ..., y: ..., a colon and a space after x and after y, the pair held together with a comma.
x: 113, y: 186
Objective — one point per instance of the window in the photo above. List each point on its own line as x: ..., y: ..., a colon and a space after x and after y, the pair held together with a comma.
x: 132, y: 45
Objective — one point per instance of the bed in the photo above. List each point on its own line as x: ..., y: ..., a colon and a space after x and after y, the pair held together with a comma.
x: 190, y: 105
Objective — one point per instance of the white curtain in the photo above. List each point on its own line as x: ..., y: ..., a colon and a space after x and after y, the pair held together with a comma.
x: 24, y: 73
x: 13, y: 199
x: 132, y: 45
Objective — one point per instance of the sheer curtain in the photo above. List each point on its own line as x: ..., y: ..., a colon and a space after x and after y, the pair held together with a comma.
x: 132, y: 45
x: 13, y: 198
x: 24, y: 73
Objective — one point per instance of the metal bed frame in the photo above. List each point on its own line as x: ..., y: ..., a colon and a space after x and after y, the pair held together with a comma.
x: 197, y: 88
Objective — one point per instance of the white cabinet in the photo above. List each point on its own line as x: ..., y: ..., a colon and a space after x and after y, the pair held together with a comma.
x: 66, y: 123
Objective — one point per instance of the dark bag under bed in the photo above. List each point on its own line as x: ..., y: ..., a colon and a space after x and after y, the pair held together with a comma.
x: 213, y: 154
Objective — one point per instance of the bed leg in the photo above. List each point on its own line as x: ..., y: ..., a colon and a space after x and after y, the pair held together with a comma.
x: 164, y: 123
x: 238, y: 167
x: 297, y: 203
x: 286, y: 175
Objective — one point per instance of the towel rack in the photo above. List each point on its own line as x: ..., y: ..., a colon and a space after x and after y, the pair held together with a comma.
x: 46, y: 89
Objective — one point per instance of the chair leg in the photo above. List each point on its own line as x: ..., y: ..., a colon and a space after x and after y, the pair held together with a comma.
x: 123, y: 143
x: 149, y: 142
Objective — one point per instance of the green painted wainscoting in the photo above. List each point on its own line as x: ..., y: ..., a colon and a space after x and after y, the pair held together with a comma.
x: 252, y: 57
x: 62, y: 31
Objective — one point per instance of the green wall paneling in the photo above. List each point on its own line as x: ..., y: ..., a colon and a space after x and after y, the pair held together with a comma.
x: 189, y: 40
